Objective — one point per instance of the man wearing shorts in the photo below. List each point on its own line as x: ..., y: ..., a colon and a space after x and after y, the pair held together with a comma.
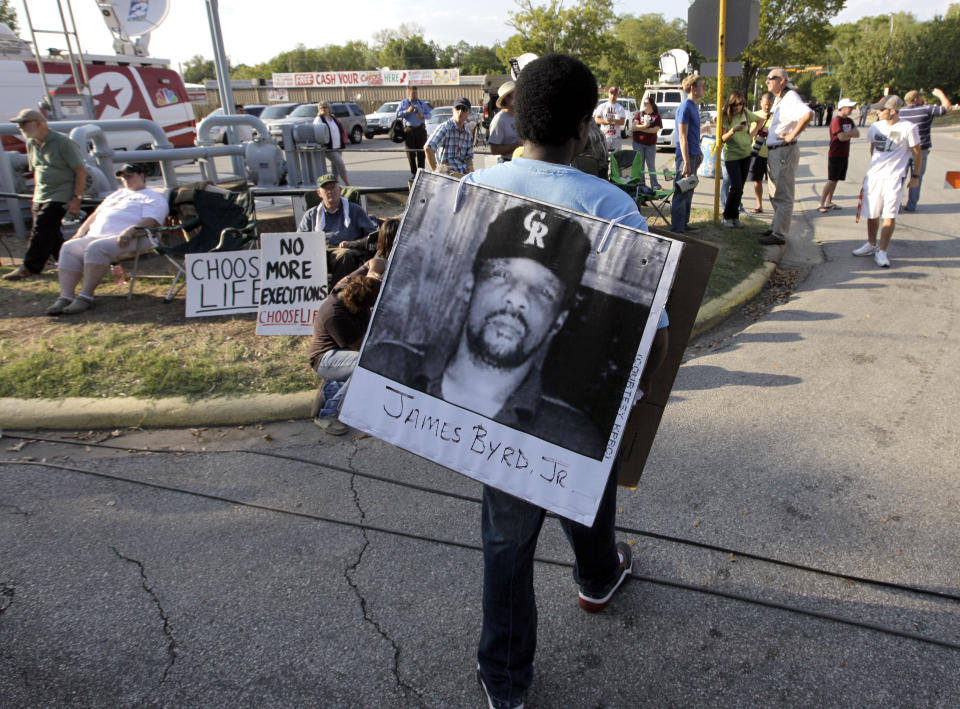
x: 758, y: 163
x: 892, y: 144
x: 842, y: 131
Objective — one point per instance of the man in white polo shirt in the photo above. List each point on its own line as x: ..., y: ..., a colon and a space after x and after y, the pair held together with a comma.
x: 790, y: 116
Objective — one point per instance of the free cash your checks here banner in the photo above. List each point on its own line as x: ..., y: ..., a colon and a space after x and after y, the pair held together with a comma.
x: 530, y: 396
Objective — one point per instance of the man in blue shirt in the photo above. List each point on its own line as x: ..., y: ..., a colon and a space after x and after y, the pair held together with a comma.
x: 554, y: 102
x: 414, y: 113
x: 689, y: 154
x: 344, y: 225
x: 450, y: 150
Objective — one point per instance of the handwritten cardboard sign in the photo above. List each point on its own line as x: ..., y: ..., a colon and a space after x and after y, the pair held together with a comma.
x: 508, y: 341
x: 223, y: 283
x: 294, y: 282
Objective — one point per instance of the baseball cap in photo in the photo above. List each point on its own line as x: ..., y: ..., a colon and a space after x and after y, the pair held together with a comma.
x: 28, y: 114
x: 130, y: 168
x: 462, y: 102
x: 892, y: 102
x: 844, y: 102
x: 558, y: 243
x: 326, y: 179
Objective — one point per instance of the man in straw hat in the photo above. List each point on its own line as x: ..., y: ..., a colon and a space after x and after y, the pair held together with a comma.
x: 503, y: 129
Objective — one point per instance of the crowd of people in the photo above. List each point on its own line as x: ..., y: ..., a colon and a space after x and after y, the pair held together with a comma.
x: 547, y: 118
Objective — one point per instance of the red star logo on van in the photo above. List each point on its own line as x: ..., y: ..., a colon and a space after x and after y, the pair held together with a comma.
x: 107, y: 97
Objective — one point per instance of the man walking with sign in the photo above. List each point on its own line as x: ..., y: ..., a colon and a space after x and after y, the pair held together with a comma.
x: 790, y: 116
x: 554, y: 102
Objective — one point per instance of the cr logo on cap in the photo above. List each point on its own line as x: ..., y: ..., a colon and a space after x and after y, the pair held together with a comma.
x: 536, y: 229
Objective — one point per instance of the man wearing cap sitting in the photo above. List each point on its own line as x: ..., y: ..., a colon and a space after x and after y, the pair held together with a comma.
x: 842, y: 131
x: 503, y: 129
x: 611, y: 116
x: 59, y: 178
x: 894, y: 145
x: 918, y: 112
x: 450, y: 149
x: 113, y: 231
x: 344, y: 225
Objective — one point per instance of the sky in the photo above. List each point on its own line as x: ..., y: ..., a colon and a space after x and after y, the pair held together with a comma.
x: 252, y: 33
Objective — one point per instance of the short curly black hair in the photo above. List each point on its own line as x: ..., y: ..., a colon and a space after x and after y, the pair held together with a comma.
x: 554, y: 94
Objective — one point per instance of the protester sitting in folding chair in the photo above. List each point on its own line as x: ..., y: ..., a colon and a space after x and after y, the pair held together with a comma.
x: 211, y: 219
x: 115, y: 230
x: 343, y: 224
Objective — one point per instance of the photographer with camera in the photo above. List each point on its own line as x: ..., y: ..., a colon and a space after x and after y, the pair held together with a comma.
x: 736, y: 138
x: 757, y: 171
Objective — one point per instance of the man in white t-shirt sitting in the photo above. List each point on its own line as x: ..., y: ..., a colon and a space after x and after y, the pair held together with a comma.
x: 113, y: 231
x: 611, y: 116
x: 893, y: 142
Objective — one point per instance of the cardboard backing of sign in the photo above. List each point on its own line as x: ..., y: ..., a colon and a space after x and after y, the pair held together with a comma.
x: 690, y: 283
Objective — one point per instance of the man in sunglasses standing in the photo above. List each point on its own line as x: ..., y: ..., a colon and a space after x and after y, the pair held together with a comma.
x: 450, y: 150
x: 790, y: 117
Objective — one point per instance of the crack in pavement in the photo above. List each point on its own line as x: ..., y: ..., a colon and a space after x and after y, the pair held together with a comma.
x: 405, y: 688
x: 167, y: 630
x: 16, y: 509
x: 7, y: 594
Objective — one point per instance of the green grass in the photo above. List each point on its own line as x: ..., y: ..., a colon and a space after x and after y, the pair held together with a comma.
x: 144, y: 348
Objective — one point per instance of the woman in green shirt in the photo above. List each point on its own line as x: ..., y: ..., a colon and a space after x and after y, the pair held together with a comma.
x: 737, y: 139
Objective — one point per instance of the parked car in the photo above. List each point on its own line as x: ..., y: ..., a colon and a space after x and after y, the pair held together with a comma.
x: 380, y: 120
x: 219, y: 133
x: 630, y: 106
x: 349, y: 114
x: 667, y: 137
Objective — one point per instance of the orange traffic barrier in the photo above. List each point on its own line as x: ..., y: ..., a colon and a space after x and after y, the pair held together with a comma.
x: 952, y: 179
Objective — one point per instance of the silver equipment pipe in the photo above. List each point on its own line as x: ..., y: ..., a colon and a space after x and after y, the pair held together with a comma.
x: 203, y: 129
x: 223, y: 71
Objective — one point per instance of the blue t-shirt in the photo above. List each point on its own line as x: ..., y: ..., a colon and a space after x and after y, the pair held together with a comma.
x: 689, y: 113
x: 566, y: 186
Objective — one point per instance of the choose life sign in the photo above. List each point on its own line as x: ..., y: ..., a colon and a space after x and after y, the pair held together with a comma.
x: 283, y: 283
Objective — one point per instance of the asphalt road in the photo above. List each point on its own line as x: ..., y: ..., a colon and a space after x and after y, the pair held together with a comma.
x: 823, y: 433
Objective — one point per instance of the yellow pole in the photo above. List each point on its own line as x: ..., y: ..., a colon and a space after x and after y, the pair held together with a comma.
x: 721, y: 57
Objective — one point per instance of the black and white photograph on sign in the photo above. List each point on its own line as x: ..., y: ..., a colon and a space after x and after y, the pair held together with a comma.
x: 502, y: 308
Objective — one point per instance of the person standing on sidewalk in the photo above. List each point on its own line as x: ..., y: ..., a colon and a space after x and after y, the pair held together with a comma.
x: 337, y: 142
x: 689, y: 154
x: 59, y: 178
x: 891, y: 143
x: 555, y: 96
x: 758, y: 162
x: 646, y: 127
x: 414, y: 114
x: 737, y: 141
x: 790, y: 116
x: 919, y: 113
x: 842, y: 131
x: 611, y: 116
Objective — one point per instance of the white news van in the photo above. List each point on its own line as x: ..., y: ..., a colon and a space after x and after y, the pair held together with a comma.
x: 121, y: 87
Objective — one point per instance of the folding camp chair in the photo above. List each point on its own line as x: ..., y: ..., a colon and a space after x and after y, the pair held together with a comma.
x: 211, y: 219
x: 626, y: 171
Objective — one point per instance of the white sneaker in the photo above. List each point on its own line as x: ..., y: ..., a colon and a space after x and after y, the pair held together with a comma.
x: 867, y: 249
x: 727, y: 223
x: 880, y: 258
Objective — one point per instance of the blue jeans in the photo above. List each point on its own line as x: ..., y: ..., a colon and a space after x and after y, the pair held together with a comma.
x: 338, y: 365
x: 510, y: 528
x: 648, y: 161
x: 680, y: 205
x: 913, y: 194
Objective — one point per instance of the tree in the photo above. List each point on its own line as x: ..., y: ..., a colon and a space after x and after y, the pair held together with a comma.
x: 408, y: 53
x: 197, y: 69
x: 8, y: 15
x: 791, y: 32
x: 583, y: 30
x: 642, y: 39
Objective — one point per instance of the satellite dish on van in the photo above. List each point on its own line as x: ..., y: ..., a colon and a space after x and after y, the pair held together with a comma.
x: 132, y: 18
x: 672, y: 64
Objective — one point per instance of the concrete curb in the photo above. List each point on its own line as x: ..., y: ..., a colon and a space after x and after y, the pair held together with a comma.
x: 88, y: 413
